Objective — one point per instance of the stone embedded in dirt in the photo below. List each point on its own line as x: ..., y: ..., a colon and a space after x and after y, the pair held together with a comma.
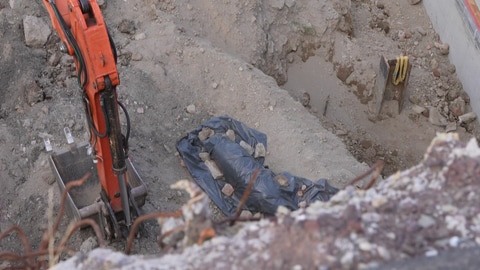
x: 214, y: 85
x: 414, y: 2
x: 452, y: 126
x: 214, y: 170
x: 436, y: 118
x: 18, y: 4
x: 230, y: 135
x: 451, y: 68
x: 36, y: 31
x: 228, y: 189
x: 102, y: 4
x: 421, y: 31
x: 443, y: 48
x: 247, y: 147
x: 305, y: 99
x: 343, y: 70
x: 89, y: 245
x: 418, y: 109
x: 33, y: 93
x: 457, y: 107
x: 140, y: 36
x: 127, y: 27
x: 204, y: 156
x: 434, y: 63
x: 137, y: 56
x: 205, y: 133
x: 260, y: 150
x: 426, y: 221
x: 278, y: 4
x: 54, y: 59
x: 141, y: 110
x: 436, y: 72
x: 191, y: 109
x: 467, y: 118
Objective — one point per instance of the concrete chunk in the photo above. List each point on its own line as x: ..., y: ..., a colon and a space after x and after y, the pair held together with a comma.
x: 214, y: 170
x: 36, y: 31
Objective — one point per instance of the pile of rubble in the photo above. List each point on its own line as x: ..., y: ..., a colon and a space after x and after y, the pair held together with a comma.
x: 420, y: 212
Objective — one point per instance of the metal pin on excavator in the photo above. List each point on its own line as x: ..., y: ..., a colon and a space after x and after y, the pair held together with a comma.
x: 115, y: 191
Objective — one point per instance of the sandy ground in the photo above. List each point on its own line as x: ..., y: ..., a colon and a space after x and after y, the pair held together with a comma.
x: 224, y: 58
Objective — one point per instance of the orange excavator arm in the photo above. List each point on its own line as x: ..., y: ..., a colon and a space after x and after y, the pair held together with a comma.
x: 84, y: 35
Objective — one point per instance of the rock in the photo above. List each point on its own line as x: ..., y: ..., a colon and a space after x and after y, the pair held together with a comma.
x: 457, y: 107
x: 50, y: 180
x: 278, y: 4
x: 418, y: 109
x: 141, y: 110
x: 247, y: 147
x: 452, y: 95
x: 230, y: 135
x: 434, y: 63
x: 245, y: 214
x: 426, y: 221
x: 281, y: 179
x: 137, y: 56
x: 343, y: 70
x: 467, y: 118
x: 451, y: 127
x: 228, y: 190
x: 214, y: 170
x: 214, y: 85
x: 260, y: 150
x: 204, y: 156
x: 54, y: 59
x: 421, y: 31
x: 451, y: 68
x: 102, y: 4
x: 89, y: 245
x: 205, y: 133
x: 140, y: 36
x: 33, y: 93
x: 36, y: 31
x: 443, y: 48
x: 191, y: 109
x: 436, y: 118
x: 414, y: 2
x: 436, y: 72
x: 290, y: 3
x: 18, y: 4
x: 305, y: 99
x: 127, y: 27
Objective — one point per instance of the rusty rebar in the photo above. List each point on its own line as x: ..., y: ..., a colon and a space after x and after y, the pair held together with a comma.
x: 12, y: 257
x: 140, y: 219
x: 73, y: 228
x: 376, y: 169
x: 245, y: 196
x: 22, y: 237
x: 50, y: 233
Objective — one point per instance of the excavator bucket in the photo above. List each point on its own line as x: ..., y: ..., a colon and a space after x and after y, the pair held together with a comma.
x: 85, y: 201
